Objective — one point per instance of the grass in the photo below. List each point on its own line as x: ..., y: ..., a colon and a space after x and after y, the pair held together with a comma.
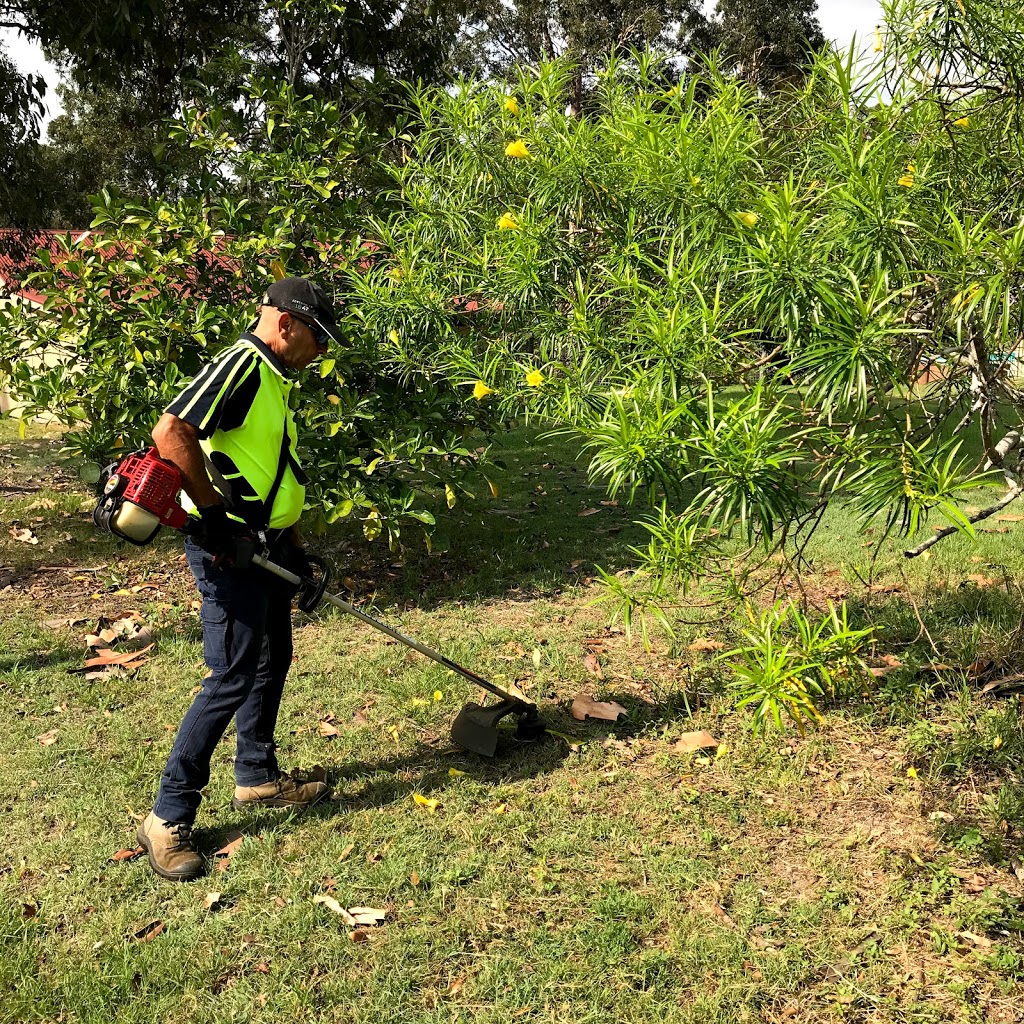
x: 610, y: 878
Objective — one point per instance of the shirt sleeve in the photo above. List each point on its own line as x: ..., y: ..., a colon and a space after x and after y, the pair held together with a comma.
x: 202, y: 403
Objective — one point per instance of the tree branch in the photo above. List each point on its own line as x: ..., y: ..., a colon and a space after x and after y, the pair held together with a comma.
x: 1010, y: 496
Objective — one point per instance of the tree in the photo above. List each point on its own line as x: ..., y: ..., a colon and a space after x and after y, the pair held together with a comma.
x: 769, y: 42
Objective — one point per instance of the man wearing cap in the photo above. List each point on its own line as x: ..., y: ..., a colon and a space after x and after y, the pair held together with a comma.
x: 232, y: 434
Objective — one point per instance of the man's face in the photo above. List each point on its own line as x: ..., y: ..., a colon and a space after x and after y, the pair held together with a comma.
x: 303, y: 342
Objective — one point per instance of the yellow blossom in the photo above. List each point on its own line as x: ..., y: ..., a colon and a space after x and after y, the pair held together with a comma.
x: 748, y: 218
x: 911, y: 773
x: 511, y: 106
x: 431, y: 803
x: 997, y: 742
x: 438, y: 695
x: 393, y: 337
x: 878, y: 40
x: 517, y: 150
x: 481, y: 390
x: 907, y: 181
x: 535, y: 378
x: 506, y: 222
x: 962, y: 122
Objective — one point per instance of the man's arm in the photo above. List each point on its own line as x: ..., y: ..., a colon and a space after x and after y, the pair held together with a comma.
x: 178, y: 442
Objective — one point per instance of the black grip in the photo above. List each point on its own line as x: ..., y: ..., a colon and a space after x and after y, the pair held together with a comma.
x: 311, y: 592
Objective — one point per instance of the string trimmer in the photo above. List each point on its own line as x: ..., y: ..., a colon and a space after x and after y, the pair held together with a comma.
x: 140, y: 496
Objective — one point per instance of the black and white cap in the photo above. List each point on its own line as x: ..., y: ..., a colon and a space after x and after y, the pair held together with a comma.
x: 297, y: 295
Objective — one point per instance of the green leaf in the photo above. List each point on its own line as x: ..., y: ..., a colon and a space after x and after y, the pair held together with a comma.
x: 450, y: 495
x: 326, y: 368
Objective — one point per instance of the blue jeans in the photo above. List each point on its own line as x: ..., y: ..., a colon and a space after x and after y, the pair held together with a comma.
x: 247, y: 646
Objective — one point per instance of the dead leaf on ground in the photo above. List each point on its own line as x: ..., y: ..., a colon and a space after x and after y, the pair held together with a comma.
x: 24, y: 535
x: 1010, y: 519
x: 703, y: 643
x: 593, y: 666
x: 29, y: 910
x: 367, y: 916
x: 719, y: 911
x: 359, y: 935
x: 691, y: 741
x: 978, y: 940
x: 588, y: 512
x: 327, y: 728
x: 584, y: 707
x: 127, y: 854
x: 224, y: 854
x: 149, y: 931
x: 47, y: 739
x: 212, y: 900
x: 430, y: 803
x: 982, y: 581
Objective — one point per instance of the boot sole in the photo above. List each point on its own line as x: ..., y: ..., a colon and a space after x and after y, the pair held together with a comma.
x: 170, y: 876
x: 276, y: 804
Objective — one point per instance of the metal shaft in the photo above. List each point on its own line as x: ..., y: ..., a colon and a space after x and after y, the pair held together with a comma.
x: 428, y: 652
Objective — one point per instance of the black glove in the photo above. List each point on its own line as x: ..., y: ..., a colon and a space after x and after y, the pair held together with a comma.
x: 223, y: 538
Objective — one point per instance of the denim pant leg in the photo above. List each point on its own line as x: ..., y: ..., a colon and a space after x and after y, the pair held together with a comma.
x: 234, y: 613
x: 255, y: 762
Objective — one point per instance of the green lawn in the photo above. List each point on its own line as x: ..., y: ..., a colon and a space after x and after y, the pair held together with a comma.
x: 601, y: 875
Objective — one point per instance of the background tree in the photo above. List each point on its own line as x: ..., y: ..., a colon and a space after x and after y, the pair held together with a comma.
x: 767, y: 42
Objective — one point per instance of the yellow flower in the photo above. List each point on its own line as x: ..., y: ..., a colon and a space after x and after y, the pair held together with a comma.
x: 907, y: 181
x: 431, y: 804
x: 438, y: 695
x: 962, y: 122
x: 506, y: 222
x: 535, y: 378
x: 511, y: 106
x: 911, y: 773
x: 911, y: 167
x: 748, y: 218
x: 997, y: 742
x: 878, y: 40
x: 393, y: 337
x: 517, y: 150
x: 481, y: 390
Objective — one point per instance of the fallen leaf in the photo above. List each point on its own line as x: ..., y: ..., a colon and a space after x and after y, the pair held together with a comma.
x: 719, y: 911
x: 691, y: 741
x: 455, y: 773
x: 588, y: 512
x: 261, y: 968
x: 328, y: 730
x: 128, y: 854
x: 593, y: 666
x: 981, y: 580
x: 430, y: 803
x: 585, y: 707
x: 335, y: 907
x: 536, y: 657
x: 978, y: 940
x: 359, y: 936
x: 613, y: 503
x: 703, y: 643
x: 414, y: 878
x: 230, y: 847
x: 501, y: 809
x: 911, y: 773
x: 149, y: 931
x: 212, y: 900
x: 47, y: 739
x: 29, y: 910
x: 1010, y: 519
x: 344, y: 853
x: 24, y: 535
x: 366, y: 916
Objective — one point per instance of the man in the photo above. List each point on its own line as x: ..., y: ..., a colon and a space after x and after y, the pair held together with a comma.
x: 232, y: 435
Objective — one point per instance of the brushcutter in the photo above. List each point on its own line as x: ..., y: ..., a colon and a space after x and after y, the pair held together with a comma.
x: 140, y: 495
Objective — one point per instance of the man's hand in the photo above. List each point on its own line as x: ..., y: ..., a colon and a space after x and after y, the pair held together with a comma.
x: 222, y: 537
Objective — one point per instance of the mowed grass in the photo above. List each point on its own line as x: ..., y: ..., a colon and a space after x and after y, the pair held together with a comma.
x: 602, y: 874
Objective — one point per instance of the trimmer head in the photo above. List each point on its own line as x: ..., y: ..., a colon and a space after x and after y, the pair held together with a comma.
x: 476, y: 726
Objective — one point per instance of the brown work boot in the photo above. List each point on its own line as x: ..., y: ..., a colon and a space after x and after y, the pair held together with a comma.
x: 169, y: 845
x: 284, y: 791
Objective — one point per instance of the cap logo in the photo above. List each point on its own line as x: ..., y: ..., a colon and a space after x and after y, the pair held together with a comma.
x: 301, y: 306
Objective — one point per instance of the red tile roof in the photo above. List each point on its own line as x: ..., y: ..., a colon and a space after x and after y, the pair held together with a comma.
x: 18, y: 258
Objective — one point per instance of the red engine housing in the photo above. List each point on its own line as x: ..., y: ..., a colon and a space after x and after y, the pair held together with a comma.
x: 153, y: 484
x: 140, y: 495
